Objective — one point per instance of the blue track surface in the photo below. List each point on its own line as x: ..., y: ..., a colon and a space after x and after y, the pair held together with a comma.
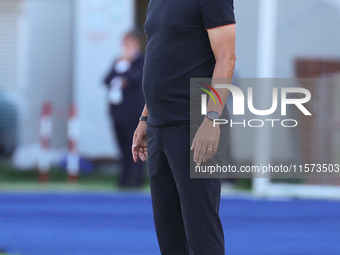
x: 85, y: 224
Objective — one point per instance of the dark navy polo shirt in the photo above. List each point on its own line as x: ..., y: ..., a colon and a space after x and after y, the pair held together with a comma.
x: 179, y: 49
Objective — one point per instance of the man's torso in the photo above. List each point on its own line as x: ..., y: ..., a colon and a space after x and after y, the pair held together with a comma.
x: 178, y: 49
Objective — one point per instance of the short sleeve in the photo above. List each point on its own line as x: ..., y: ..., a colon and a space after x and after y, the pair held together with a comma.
x: 217, y: 13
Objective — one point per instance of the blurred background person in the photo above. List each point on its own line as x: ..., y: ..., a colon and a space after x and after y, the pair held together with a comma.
x: 126, y: 101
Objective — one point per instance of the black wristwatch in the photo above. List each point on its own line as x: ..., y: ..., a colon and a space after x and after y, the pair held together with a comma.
x: 213, y: 115
x: 143, y: 118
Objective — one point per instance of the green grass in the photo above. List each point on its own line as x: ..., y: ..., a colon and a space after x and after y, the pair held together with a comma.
x: 244, y: 184
x: 102, y: 179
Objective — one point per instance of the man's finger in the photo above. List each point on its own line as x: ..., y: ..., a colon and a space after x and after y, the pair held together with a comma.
x: 135, y: 153
x: 137, y: 139
x: 214, y: 149
x: 141, y: 154
x: 197, y: 149
x: 135, y: 157
x: 145, y: 152
x: 201, y: 154
x: 208, y: 153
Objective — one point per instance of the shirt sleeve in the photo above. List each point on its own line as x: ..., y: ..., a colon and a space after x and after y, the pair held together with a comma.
x: 217, y: 13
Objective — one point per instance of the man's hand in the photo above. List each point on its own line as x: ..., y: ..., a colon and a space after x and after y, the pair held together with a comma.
x: 205, y: 142
x: 140, y: 143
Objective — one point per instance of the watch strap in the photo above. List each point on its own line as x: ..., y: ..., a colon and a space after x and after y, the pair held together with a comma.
x: 143, y: 118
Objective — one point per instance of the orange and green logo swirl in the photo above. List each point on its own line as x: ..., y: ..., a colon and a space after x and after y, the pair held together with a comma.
x: 209, y: 93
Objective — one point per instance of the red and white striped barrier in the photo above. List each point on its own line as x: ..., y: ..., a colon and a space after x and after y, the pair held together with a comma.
x: 45, y: 133
x: 73, y: 135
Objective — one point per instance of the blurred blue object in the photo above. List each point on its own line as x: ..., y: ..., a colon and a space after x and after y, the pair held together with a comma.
x: 122, y: 224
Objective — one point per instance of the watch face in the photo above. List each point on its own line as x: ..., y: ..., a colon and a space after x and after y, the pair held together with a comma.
x: 213, y: 115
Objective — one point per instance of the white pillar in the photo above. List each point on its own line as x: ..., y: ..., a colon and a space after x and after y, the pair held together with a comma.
x: 265, y: 69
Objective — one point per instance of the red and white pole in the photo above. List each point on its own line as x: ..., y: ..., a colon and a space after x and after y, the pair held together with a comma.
x: 73, y: 135
x: 45, y: 133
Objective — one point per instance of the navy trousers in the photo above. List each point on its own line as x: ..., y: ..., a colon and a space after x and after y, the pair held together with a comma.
x: 185, y: 210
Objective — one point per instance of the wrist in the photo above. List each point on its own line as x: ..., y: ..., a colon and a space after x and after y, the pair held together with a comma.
x: 143, y: 119
x: 207, y: 120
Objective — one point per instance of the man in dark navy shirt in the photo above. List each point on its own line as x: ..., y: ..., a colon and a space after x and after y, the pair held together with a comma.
x: 186, y: 39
